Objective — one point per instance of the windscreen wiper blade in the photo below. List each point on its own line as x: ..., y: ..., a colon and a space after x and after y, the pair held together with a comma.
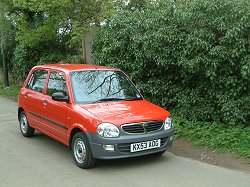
x: 133, y: 99
x: 108, y: 99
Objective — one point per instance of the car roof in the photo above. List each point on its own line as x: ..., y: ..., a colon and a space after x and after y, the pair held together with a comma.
x: 73, y: 67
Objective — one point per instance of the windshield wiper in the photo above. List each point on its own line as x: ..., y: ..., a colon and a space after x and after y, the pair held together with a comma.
x: 133, y: 99
x: 108, y: 99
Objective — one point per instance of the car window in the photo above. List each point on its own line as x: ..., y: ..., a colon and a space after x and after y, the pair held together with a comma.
x: 57, y: 83
x: 37, y: 80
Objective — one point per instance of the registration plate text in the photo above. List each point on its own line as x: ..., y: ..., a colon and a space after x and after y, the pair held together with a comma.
x: 145, y: 145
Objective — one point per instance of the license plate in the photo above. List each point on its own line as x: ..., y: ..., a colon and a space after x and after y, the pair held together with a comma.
x: 145, y: 145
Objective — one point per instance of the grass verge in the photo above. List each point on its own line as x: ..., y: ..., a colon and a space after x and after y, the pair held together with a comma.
x: 10, y: 91
x: 225, y: 138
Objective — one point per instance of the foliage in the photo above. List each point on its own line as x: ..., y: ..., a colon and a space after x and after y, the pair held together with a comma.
x: 132, y: 5
x: 26, y: 57
x: 7, y: 39
x: 73, y: 59
x: 235, y: 139
x: 51, y: 31
x: 40, y: 21
x: 11, y: 91
x: 191, y: 57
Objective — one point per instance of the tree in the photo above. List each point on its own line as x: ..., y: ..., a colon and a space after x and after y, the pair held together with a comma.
x: 52, y: 31
x: 7, y: 38
x: 39, y: 20
x: 58, y: 18
x: 133, y: 5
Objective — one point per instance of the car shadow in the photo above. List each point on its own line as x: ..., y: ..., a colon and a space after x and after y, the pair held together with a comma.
x: 133, y: 162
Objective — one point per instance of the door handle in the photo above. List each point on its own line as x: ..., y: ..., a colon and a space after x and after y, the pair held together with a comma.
x: 26, y: 95
x: 45, y: 101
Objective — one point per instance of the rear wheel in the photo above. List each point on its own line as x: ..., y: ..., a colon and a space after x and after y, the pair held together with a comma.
x: 81, y: 151
x: 26, y: 130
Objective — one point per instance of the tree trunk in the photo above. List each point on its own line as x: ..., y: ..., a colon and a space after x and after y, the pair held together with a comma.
x: 5, y: 65
x: 84, y: 53
x: 5, y: 72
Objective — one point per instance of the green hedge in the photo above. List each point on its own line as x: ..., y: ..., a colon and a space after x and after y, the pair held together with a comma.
x: 189, y: 56
x: 26, y: 57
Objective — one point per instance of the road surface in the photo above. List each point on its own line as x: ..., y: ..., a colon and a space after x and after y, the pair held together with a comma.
x: 41, y: 161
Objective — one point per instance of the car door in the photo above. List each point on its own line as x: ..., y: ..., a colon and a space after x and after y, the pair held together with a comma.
x: 55, y: 112
x: 33, y: 94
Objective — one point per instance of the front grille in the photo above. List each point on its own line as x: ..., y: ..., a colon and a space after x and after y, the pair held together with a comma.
x: 143, y: 127
x: 125, y: 147
x: 136, y: 128
x: 153, y: 126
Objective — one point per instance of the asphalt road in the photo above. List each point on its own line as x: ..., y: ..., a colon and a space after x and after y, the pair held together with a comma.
x: 41, y: 161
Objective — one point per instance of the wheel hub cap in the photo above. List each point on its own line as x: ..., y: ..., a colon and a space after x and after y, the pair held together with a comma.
x: 79, y: 150
x: 24, y: 124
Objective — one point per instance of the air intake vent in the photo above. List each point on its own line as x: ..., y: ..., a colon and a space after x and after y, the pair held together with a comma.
x: 142, y: 127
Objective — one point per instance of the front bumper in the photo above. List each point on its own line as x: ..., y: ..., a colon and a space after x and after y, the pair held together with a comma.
x: 122, y: 144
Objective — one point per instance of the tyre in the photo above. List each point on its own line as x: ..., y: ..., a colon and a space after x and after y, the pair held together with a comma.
x: 26, y: 130
x: 81, y: 151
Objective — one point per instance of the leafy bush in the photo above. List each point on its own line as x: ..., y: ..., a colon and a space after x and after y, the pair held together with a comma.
x: 192, y: 57
x: 51, y: 57
x: 73, y: 59
x: 26, y: 57
x: 21, y: 63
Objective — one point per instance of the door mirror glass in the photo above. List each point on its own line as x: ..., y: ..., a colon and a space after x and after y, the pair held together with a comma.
x: 59, y: 96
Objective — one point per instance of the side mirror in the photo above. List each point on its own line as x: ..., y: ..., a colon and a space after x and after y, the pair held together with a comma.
x: 59, y: 96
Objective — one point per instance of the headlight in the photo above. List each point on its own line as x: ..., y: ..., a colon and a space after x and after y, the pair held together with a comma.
x: 108, y: 130
x: 168, y: 123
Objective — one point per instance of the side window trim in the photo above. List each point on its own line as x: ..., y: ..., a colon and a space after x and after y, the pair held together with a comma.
x: 31, y: 79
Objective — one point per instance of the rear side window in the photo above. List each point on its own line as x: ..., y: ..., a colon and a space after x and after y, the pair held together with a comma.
x: 57, y: 83
x: 37, y: 80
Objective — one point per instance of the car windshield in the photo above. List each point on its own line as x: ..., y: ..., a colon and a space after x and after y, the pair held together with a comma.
x: 95, y: 86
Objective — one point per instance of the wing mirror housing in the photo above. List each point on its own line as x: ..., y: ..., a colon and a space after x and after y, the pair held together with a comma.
x: 59, y: 96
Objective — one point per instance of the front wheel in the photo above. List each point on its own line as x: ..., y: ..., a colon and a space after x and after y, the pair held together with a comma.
x: 81, y: 151
x: 25, y: 128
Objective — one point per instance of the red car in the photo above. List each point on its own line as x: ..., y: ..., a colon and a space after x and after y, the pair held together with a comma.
x: 96, y: 111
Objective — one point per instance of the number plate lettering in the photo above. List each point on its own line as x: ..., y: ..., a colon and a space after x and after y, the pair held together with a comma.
x: 145, y: 145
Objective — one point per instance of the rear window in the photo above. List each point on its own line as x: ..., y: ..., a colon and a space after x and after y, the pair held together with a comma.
x: 37, y: 80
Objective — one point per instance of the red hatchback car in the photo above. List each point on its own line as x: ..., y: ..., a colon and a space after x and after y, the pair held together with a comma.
x: 96, y: 111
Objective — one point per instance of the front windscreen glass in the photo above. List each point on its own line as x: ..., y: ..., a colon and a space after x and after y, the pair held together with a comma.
x: 102, y: 85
